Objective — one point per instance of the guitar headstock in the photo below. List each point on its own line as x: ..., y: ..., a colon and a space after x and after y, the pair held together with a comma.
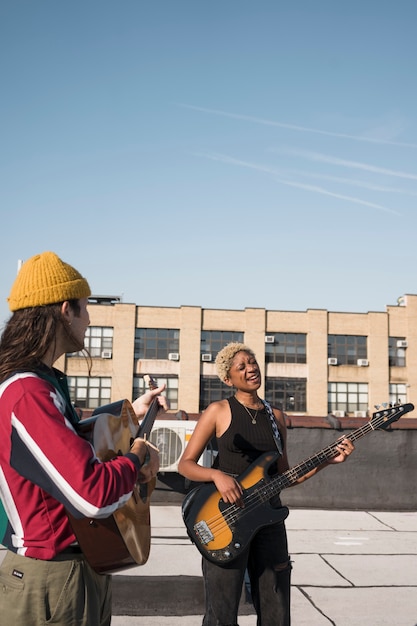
x: 386, y: 414
x: 150, y: 382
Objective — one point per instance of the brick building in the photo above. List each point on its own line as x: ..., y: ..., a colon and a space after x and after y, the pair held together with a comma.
x: 312, y: 362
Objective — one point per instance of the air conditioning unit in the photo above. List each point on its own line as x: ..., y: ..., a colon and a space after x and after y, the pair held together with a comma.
x: 402, y: 343
x: 362, y: 362
x: 331, y: 361
x: 206, y: 357
x: 360, y: 414
x: 171, y: 437
x: 173, y: 356
x: 339, y: 413
x: 269, y: 338
x: 106, y: 354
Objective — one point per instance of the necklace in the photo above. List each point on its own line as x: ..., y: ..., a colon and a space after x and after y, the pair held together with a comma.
x: 248, y: 411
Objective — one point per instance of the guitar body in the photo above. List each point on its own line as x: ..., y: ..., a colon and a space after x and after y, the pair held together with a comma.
x: 123, y: 539
x: 120, y: 541
x: 222, y: 531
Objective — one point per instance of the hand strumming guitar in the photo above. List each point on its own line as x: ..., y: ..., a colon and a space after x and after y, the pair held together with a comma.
x: 148, y: 456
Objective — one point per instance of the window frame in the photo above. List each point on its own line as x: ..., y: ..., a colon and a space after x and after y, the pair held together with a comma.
x: 88, y: 399
x: 156, y: 343
x: 287, y: 348
x: 212, y: 341
x: 347, y: 349
x: 347, y: 396
x: 292, y: 388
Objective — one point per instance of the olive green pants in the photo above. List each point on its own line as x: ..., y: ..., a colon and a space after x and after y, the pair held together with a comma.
x: 65, y: 591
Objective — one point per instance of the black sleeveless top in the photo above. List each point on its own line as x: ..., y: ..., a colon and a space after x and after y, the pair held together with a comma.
x: 243, y: 442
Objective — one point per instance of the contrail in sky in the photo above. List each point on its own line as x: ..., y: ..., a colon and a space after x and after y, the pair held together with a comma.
x: 304, y: 129
x: 314, y: 188
x: 324, y: 158
x: 349, y: 181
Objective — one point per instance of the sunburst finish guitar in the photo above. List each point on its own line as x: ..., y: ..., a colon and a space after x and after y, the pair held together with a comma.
x: 221, y: 531
x: 122, y: 540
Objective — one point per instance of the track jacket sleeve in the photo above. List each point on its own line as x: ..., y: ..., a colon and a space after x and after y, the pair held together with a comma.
x: 46, y: 450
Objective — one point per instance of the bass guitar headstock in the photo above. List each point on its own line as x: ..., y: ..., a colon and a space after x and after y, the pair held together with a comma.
x: 386, y: 414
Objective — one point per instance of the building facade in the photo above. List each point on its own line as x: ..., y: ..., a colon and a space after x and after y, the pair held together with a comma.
x: 313, y: 362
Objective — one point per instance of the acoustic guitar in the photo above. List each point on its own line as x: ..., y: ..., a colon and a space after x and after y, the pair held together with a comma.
x: 122, y: 540
x: 222, y: 531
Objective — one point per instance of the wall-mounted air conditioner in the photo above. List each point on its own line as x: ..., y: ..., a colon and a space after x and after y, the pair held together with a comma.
x: 339, y: 413
x: 360, y: 414
x: 171, y: 437
x: 173, y: 356
x: 331, y: 361
x: 106, y: 354
x: 402, y: 343
x: 362, y: 362
x: 206, y: 356
x: 269, y: 338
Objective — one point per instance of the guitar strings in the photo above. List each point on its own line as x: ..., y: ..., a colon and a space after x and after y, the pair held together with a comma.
x: 219, y: 523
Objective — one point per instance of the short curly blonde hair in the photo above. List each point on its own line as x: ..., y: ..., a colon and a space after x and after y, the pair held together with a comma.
x: 226, y: 355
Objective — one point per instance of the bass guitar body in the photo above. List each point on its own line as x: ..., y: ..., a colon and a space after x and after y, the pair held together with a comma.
x: 222, y: 531
x: 123, y: 539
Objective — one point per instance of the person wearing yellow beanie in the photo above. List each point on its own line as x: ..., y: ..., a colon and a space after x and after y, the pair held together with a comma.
x: 45, y: 279
x: 47, y: 469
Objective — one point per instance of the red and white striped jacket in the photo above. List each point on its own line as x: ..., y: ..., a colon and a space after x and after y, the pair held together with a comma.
x: 46, y: 468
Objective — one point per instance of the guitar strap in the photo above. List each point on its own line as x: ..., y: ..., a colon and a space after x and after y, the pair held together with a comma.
x: 59, y: 381
x: 275, y: 431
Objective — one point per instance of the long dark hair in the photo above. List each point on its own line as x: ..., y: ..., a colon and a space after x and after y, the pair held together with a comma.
x: 28, y: 335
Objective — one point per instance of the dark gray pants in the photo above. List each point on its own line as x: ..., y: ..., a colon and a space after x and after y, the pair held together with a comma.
x: 269, y: 569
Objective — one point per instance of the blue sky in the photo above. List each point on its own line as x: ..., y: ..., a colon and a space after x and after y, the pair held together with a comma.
x: 219, y: 154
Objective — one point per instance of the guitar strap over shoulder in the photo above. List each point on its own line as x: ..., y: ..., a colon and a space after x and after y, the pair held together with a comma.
x: 275, y: 431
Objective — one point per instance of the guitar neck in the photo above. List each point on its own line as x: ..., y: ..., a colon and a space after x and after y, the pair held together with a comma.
x: 292, y: 475
x: 146, y: 424
x: 379, y: 420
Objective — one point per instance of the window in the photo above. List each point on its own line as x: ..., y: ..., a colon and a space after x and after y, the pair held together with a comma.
x: 396, y: 351
x: 347, y: 349
x: 171, y: 391
x: 347, y: 397
x: 213, y: 389
x: 98, y: 339
x: 397, y: 393
x: 156, y: 343
x: 212, y: 341
x: 285, y: 348
x: 288, y: 394
x: 88, y: 392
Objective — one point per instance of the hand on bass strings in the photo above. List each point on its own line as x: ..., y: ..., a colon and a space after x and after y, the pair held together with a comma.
x: 228, y: 487
x: 148, y: 455
x: 345, y: 448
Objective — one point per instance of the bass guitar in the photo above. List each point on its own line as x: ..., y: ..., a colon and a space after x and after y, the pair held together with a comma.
x: 122, y: 540
x: 222, y: 531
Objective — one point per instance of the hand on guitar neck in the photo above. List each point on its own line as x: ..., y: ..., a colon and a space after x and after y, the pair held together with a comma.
x: 149, y: 405
x: 141, y: 404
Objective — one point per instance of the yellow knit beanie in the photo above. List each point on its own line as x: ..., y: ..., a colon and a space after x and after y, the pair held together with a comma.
x: 45, y: 279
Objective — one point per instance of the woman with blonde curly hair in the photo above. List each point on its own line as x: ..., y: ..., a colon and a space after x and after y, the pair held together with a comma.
x: 245, y: 426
